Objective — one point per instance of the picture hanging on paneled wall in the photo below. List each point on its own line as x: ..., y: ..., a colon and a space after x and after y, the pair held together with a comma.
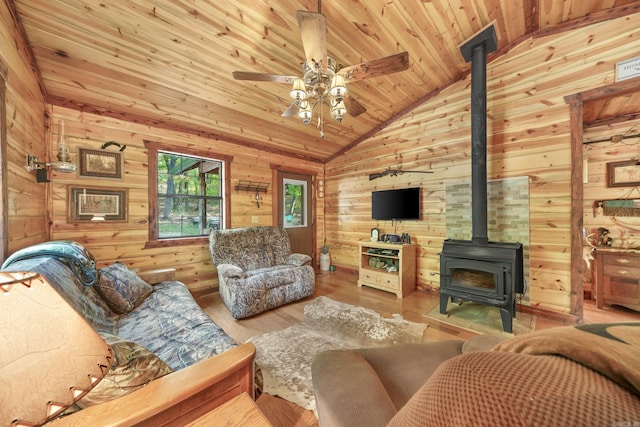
x: 97, y: 204
x: 99, y: 163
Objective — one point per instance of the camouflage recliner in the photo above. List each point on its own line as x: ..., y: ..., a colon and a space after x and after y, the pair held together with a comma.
x: 257, y: 270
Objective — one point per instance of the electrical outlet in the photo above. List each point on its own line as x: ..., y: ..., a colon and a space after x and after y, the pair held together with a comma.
x: 254, y: 219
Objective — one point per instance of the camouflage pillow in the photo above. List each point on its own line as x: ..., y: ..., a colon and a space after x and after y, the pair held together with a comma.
x: 122, y: 288
x: 133, y: 367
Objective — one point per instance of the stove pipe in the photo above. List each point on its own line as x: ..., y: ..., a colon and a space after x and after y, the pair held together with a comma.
x: 476, y: 50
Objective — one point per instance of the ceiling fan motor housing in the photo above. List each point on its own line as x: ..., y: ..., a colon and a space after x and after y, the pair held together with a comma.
x: 318, y: 80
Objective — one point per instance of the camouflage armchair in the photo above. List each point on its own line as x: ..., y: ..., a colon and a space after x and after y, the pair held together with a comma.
x: 257, y: 271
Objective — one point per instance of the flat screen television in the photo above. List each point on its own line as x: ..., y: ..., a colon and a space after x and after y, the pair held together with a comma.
x: 401, y: 204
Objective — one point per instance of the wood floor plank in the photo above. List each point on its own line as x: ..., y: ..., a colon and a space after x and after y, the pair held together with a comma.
x: 341, y: 286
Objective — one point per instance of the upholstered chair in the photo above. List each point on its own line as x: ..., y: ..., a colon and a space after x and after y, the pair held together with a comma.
x: 257, y: 271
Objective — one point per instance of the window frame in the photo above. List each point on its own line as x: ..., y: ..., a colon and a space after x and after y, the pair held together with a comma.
x: 304, y: 196
x: 153, y: 148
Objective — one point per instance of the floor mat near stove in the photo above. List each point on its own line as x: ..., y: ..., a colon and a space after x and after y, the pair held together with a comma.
x: 481, y: 318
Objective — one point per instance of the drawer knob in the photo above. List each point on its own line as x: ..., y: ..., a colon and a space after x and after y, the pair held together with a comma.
x: 623, y: 260
x: 623, y: 272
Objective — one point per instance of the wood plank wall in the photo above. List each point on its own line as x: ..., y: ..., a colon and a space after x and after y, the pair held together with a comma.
x: 125, y: 242
x: 528, y: 135
x: 25, y: 118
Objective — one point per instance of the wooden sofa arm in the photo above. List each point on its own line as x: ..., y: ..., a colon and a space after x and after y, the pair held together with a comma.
x: 179, y: 397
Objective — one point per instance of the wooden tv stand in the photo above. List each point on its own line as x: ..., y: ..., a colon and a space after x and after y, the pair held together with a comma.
x: 403, y: 256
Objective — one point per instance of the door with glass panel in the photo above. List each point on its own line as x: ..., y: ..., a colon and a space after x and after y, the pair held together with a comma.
x: 295, y: 210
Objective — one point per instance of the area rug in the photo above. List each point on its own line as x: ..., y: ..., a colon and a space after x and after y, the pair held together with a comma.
x: 285, y: 356
x: 481, y: 318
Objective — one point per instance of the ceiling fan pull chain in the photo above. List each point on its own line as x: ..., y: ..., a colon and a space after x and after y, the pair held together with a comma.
x: 321, y: 120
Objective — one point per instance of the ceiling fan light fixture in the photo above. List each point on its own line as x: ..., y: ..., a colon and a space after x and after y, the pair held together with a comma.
x: 323, y: 81
x: 298, y: 92
x: 338, y: 110
x: 305, y: 112
x: 338, y: 86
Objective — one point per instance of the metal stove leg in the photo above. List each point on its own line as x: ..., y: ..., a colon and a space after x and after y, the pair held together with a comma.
x: 507, y: 319
x: 444, y: 301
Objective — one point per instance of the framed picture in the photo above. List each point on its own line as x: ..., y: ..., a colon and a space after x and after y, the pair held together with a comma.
x: 99, y: 163
x: 97, y: 204
x: 623, y: 174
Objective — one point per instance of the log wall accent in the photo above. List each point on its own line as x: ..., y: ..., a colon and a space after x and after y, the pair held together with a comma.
x: 26, y: 202
x: 125, y: 241
x: 528, y: 135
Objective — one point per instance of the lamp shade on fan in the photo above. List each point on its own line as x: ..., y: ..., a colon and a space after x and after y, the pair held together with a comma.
x: 50, y: 356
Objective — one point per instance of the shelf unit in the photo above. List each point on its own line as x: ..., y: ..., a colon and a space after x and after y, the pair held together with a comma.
x: 401, y: 282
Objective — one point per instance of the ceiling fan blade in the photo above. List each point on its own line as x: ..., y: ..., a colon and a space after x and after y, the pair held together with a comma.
x: 354, y: 108
x: 262, y: 77
x: 291, y: 111
x: 377, y: 67
x: 313, y: 31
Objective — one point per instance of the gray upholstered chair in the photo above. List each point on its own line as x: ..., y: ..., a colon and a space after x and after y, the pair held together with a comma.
x: 257, y: 271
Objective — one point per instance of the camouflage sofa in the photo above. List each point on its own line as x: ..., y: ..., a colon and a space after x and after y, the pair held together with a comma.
x: 153, y: 330
x: 257, y: 271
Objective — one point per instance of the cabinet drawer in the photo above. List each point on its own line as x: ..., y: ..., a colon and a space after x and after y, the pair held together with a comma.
x: 617, y: 270
x: 387, y: 280
x: 621, y: 260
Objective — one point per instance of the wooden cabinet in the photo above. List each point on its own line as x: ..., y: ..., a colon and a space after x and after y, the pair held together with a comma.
x: 376, y: 271
x: 617, y: 278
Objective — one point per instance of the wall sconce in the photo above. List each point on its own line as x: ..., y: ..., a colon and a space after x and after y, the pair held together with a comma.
x: 33, y: 164
x: 62, y: 165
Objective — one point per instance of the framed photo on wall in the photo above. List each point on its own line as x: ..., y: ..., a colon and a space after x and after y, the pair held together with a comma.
x: 97, y: 204
x: 623, y: 174
x: 99, y: 163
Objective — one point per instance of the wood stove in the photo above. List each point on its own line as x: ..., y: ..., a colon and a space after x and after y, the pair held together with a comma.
x: 490, y: 274
x: 479, y: 270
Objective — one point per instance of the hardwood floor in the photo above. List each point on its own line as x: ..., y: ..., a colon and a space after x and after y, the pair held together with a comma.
x: 341, y: 286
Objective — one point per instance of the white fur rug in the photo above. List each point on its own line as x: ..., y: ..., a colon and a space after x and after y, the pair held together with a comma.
x: 285, y: 356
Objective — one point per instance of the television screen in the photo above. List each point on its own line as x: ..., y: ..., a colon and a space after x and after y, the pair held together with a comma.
x: 402, y: 204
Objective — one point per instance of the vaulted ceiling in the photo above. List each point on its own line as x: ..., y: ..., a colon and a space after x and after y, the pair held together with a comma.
x: 169, y: 63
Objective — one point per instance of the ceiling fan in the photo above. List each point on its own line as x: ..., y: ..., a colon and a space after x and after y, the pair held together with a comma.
x: 323, y: 81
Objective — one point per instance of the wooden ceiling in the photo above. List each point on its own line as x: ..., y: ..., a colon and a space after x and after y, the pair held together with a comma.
x: 169, y: 63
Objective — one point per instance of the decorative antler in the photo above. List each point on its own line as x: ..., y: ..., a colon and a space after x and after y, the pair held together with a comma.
x: 110, y: 143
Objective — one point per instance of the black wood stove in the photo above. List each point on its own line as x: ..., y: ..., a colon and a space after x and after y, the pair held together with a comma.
x: 479, y: 270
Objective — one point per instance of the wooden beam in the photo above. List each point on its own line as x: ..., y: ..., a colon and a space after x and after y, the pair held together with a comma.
x: 233, y: 139
x: 577, y: 264
x: 22, y: 36
x: 592, y: 18
x: 4, y: 167
x: 612, y: 120
x: 531, y: 16
x: 608, y: 91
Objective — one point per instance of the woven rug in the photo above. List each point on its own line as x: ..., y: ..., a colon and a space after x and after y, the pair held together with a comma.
x: 481, y: 318
x: 285, y: 356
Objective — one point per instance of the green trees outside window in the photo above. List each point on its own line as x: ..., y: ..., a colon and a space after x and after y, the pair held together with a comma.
x: 294, y: 199
x: 190, y: 195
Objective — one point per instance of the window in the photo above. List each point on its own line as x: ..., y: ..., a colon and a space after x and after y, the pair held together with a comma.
x: 187, y: 194
x: 295, y: 195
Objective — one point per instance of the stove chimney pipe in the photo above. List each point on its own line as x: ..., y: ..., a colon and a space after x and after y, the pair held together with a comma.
x: 476, y: 50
